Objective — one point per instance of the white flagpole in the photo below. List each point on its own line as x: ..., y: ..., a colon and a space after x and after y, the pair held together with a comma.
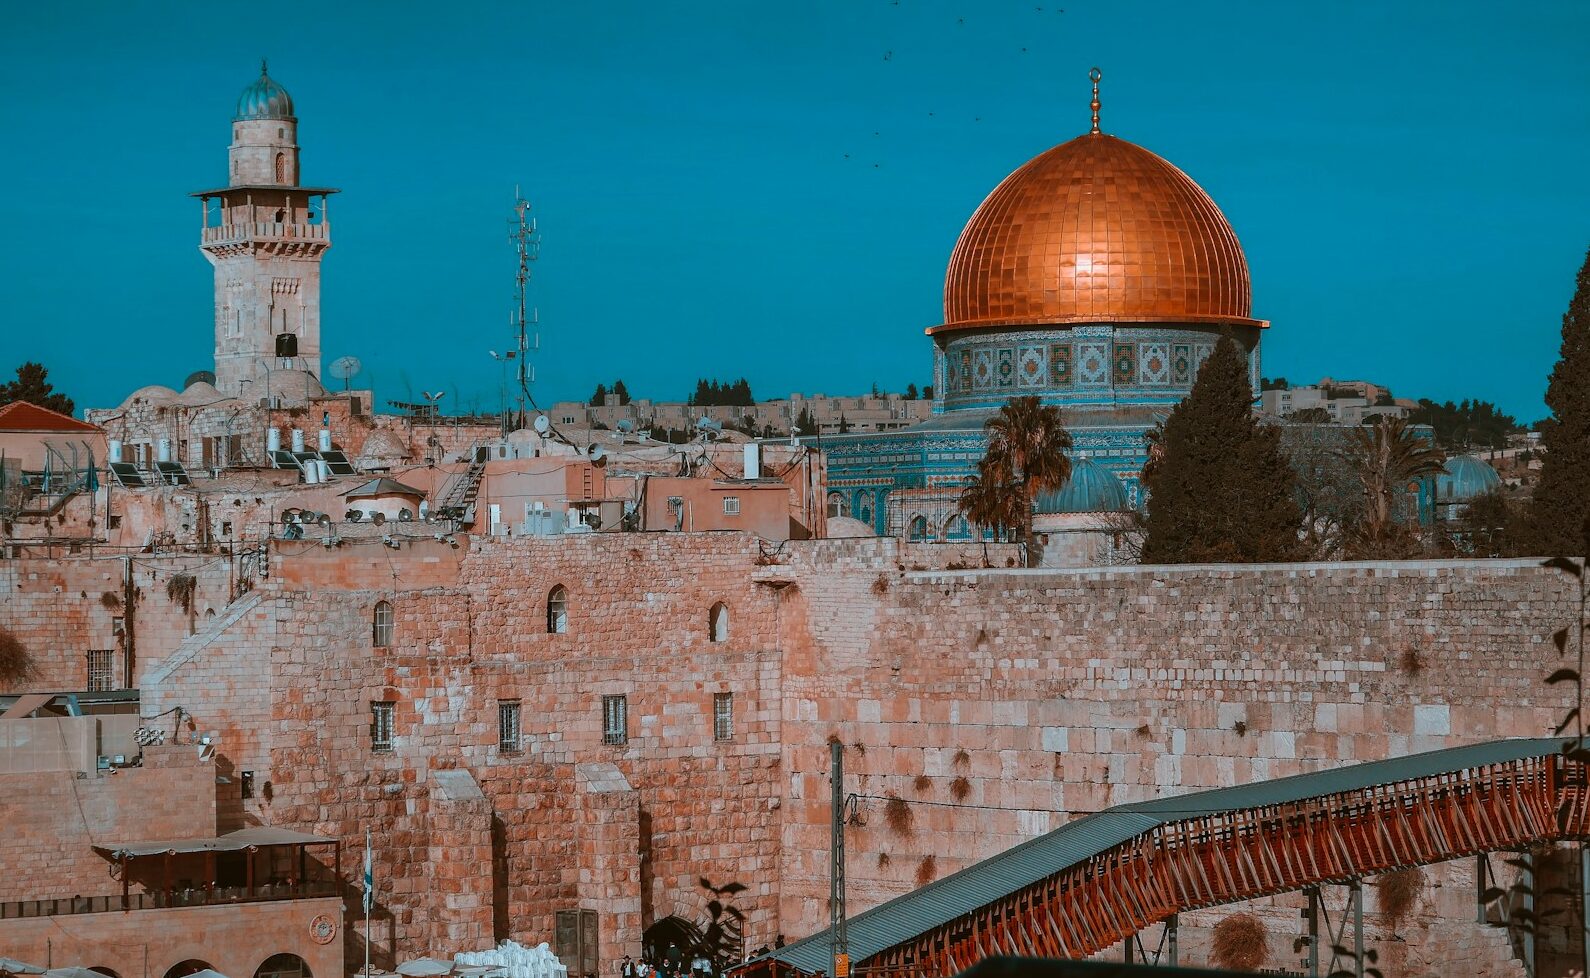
x: 369, y: 898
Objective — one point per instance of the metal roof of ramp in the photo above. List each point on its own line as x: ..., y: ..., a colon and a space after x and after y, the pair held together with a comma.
x: 1099, y: 879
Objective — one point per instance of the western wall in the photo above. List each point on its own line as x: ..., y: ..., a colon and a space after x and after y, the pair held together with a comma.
x: 998, y: 703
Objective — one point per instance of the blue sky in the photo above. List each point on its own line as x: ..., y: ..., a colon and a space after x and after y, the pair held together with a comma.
x: 1408, y: 180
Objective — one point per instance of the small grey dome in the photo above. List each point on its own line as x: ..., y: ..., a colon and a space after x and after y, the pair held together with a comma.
x: 264, y: 100
x: 1092, y: 488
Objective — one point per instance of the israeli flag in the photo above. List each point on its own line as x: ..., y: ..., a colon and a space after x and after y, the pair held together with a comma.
x: 369, y: 875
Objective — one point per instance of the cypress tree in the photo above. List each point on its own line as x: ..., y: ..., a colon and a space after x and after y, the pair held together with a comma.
x: 1559, y: 515
x: 1221, y: 491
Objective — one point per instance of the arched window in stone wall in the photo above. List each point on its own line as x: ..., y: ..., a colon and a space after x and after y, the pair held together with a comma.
x: 864, y: 506
x: 281, y: 167
x: 284, y: 965
x: 718, y: 623
x: 100, y: 969
x: 918, y: 528
x: 557, y: 610
x: 381, y: 625
x: 837, y: 506
x: 956, y: 528
x: 192, y: 966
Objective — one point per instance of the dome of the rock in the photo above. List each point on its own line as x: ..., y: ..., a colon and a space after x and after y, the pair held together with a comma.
x: 1097, y: 230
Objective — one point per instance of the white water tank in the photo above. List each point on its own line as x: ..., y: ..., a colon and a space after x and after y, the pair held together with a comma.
x: 298, y: 440
x: 163, y: 450
x: 325, y: 439
x: 273, y: 439
x: 311, y: 473
x: 115, y: 450
x: 322, y: 470
x: 753, y: 460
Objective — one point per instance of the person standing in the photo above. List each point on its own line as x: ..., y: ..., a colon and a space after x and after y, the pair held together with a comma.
x: 674, y: 961
x: 627, y: 969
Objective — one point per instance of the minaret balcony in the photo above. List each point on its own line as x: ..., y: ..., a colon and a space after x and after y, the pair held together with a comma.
x: 265, y: 232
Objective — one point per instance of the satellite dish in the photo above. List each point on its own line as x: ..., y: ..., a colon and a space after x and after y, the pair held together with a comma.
x: 542, y: 425
x: 626, y: 426
x: 199, y: 377
x: 596, y: 453
x: 345, y: 368
x: 707, y: 424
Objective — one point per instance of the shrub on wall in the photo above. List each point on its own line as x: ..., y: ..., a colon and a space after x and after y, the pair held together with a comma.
x: 926, y: 870
x: 897, y: 814
x: 16, y: 663
x: 1398, y: 893
x: 1241, y: 943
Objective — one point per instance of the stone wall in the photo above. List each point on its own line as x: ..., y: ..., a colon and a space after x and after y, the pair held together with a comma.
x: 1002, y: 703
x: 53, y: 819
x: 234, y: 939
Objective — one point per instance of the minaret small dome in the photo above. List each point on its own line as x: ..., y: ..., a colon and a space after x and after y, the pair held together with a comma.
x: 264, y: 100
x: 1092, y: 488
x: 1464, y: 478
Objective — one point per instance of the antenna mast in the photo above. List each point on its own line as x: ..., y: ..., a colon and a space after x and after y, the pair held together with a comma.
x: 527, y: 245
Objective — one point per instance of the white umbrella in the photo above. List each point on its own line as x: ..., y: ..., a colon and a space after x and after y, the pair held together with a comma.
x: 207, y: 973
x: 72, y: 972
x: 12, y: 966
x: 425, y: 968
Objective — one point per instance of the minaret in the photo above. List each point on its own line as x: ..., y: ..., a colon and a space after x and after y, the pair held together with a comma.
x: 265, y: 235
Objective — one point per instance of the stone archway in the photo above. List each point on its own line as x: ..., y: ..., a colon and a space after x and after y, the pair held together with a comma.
x: 192, y: 966
x: 670, y: 930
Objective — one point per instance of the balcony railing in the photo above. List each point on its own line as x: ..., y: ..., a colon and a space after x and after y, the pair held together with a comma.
x: 193, y: 897
x: 264, y: 229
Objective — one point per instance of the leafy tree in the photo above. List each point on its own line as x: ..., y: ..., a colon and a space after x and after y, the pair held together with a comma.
x: 805, y: 424
x: 927, y: 393
x: 713, y: 393
x: 31, y: 386
x: 910, y: 392
x: 844, y: 424
x: 875, y: 391
x: 1273, y: 384
x: 1389, y: 458
x: 1559, y: 518
x: 1026, y: 455
x: 1221, y: 491
x: 1462, y: 426
x: 1312, y: 415
x: 621, y: 392
x: 600, y: 395
x: 1327, y: 491
x: 1486, y: 527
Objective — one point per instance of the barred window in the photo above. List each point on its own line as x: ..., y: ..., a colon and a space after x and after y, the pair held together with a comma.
x: 731, y: 505
x: 722, y: 716
x: 615, y: 720
x: 381, y: 716
x: 381, y: 625
x: 509, y: 739
x: 101, y: 670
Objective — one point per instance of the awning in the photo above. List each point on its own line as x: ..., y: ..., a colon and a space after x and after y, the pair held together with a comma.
x: 259, y: 836
x: 27, y: 704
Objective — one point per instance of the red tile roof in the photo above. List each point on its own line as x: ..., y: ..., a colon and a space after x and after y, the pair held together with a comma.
x: 22, y: 416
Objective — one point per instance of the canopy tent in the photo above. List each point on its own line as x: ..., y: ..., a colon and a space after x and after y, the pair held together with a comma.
x: 251, y: 838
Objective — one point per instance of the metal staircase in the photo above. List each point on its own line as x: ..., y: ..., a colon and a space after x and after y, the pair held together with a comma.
x: 457, y: 501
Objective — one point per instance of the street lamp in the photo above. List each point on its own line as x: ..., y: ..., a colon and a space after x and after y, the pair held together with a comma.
x: 504, y: 359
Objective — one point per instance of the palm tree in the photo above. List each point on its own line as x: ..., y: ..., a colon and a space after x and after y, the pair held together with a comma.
x: 1026, y: 455
x: 1388, y: 458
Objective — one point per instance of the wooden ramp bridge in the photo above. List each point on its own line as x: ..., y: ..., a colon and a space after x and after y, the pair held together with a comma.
x: 1102, y: 879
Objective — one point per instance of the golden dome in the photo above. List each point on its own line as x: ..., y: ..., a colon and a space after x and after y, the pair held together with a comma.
x: 1096, y: 230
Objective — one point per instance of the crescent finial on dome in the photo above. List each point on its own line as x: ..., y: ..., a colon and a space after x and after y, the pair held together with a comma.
x: 1095, y: 75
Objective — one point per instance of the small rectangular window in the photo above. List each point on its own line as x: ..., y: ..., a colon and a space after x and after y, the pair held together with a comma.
x: 381, y: 715
x: 731, y: 505
x: 722, y: 716
x: 615, y: 720
x: 508, y: 736
x: 101, y: 670
x: 247, y: 783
